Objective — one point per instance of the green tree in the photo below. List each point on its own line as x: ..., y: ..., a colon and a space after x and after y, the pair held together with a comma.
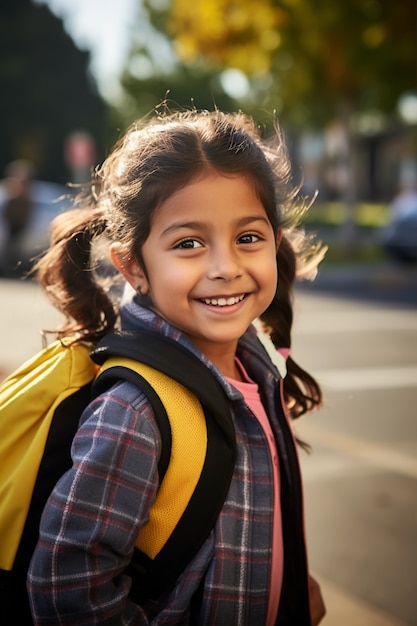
x: 310, y: 59
x: 47, y: 91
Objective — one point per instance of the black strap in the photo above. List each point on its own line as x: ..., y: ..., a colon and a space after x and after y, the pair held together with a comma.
x: 119, y: 372
x: 152, y: 577
x: 173, y: 359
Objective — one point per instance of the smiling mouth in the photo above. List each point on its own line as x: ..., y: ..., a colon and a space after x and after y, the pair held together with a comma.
x: 223, y: 301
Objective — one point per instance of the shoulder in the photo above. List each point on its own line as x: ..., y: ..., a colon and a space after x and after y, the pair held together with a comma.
x: 125, y: 408
x: 116, y: 429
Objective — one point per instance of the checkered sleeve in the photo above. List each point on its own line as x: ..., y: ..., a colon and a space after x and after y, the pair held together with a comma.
x: 93, y: 516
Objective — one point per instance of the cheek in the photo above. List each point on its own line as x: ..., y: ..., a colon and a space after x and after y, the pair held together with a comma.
x: 271, y: 267
x: 271, y: 279
x: 168, y: 280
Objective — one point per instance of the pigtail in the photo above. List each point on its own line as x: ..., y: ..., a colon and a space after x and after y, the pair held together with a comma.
x: 66, y: 274
x: 302, y: 393
x: 278, y: 317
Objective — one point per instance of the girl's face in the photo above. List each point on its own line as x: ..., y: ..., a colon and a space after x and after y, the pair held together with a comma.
x: 210, y: 263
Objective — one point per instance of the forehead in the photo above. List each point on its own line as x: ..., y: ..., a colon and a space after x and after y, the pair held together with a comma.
x: 211, y: 192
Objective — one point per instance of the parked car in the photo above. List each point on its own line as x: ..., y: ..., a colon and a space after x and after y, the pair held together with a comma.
x: 399, y: 237
x: 49, y: 199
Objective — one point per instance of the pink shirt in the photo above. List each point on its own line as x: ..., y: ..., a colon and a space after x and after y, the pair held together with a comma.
x: 250, y: 392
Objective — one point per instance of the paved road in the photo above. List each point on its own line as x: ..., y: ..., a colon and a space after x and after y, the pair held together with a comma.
x: 24, y: 313
x: 360, y: 480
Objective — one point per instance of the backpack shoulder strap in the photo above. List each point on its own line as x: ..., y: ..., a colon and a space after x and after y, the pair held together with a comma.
x: 178, y: 377
x: 176, y: 361
x: 186, y: 451
x: 116, y: 369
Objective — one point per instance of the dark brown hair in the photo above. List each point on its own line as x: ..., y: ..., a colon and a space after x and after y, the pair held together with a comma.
x: 155, y: 158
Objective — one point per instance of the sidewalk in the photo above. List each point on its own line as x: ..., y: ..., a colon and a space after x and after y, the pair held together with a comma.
x: 25, y: 312
x: 344, y: 609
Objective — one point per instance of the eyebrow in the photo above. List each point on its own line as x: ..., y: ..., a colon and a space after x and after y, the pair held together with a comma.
x: 244, y: 221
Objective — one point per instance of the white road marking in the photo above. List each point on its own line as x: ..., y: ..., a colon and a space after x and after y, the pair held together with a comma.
x: 360, y: 378
x: 372, y: 454
x: 354, y: 321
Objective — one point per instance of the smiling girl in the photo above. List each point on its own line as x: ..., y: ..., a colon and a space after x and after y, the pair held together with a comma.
x: 197, y: 209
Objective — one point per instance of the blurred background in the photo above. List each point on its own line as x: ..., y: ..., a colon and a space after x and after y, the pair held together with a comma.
x: 341, y: 79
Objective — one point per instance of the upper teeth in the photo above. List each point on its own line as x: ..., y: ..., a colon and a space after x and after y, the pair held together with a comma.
x: 223, y: 301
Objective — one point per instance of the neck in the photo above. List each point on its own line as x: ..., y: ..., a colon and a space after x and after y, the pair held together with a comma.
x: 223, y: 357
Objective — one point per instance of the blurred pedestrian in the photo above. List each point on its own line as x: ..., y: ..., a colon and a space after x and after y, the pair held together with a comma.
x: 16, y: 212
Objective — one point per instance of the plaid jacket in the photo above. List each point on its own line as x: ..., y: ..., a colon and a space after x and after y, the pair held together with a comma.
x: 94, y: 515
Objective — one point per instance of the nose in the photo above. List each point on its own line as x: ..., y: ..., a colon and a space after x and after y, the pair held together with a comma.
x: 224, y: 264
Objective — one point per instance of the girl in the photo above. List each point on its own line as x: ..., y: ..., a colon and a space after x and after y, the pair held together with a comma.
x: 198, y: 209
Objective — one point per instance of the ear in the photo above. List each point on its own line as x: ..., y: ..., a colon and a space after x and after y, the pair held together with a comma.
x: 129, y: 268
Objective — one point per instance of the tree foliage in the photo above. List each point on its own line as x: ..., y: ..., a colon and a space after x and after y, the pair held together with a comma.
x: 235, y: 34
x: 305, y: 57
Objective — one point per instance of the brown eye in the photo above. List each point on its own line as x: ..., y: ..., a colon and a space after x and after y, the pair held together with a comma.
x: 188, y: 244
x: 249, y: 238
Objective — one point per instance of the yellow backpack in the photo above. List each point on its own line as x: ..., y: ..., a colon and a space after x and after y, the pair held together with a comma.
x: 40, y: 406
